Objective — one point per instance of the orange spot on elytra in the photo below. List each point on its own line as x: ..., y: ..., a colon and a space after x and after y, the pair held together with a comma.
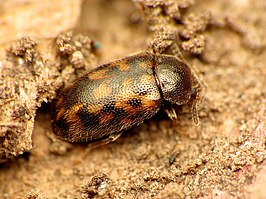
x: 99, y: 74
x: 59, y: 102
x: 147, y: 79
x: 145, y: 64
x: 127, y: 85
x: 106, y: 118
x: 123, y: 65
x: 148, y: 103
x: 59, y: 114
x: 72, y: 113
x: 94, y: 108
x: 102, y: 91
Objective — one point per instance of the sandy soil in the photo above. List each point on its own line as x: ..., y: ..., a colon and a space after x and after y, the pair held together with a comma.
x: 224, y: 157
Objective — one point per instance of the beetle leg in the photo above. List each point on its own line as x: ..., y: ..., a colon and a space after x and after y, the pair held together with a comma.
x: 104, y: 141
x: 194, y: 113
x: 171, y: 112
x: 114, y: 136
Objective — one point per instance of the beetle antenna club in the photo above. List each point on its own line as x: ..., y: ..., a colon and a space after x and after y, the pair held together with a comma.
x: 196, y: 97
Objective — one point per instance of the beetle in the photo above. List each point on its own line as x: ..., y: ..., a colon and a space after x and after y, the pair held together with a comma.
x: 118, y: 95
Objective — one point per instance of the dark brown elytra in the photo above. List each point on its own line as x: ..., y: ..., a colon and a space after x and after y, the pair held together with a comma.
x: 118, y: 95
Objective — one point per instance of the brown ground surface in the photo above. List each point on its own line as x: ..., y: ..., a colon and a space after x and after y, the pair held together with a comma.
x: 223, y: 157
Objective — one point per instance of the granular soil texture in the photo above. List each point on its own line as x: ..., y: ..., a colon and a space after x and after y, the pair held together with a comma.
x: 223, y: 157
